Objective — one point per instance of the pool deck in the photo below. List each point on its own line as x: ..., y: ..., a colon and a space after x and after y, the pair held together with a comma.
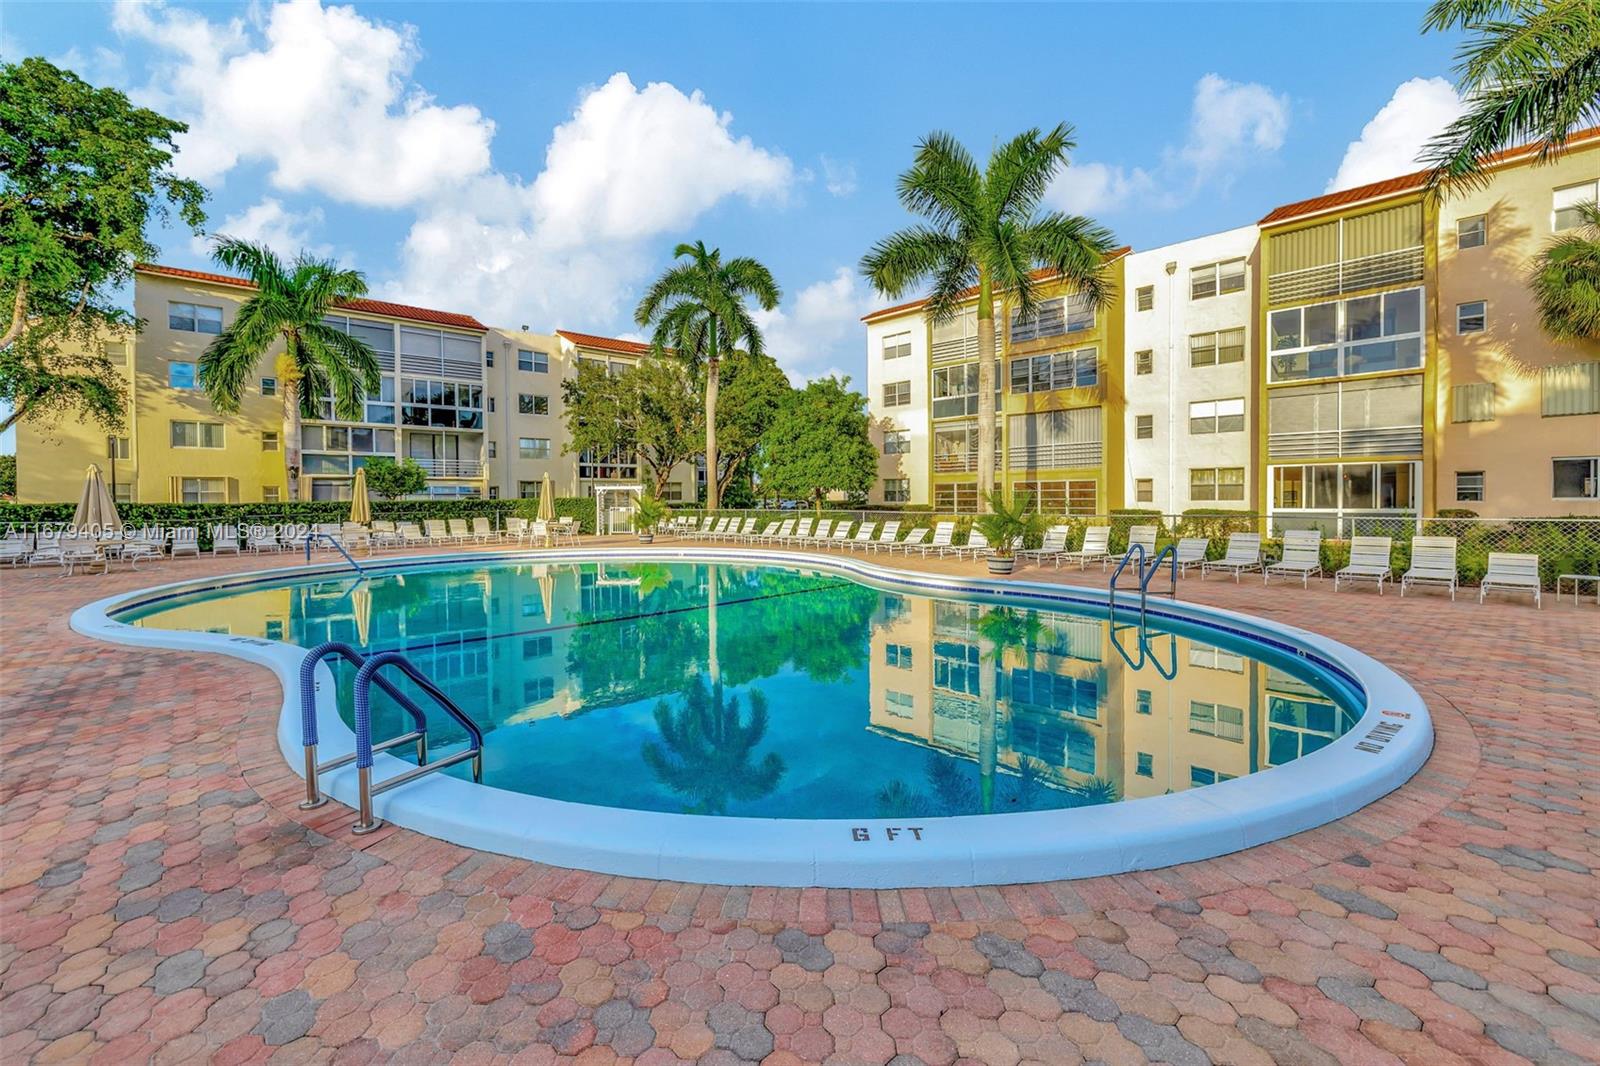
x: 162, y: 899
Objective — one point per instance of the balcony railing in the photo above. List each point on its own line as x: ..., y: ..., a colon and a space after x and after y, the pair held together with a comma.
x: 1351, y: 275
x: 1356, y: 441
x: 1054, y: 456
x: 955, y: 462
x: 451, y: 467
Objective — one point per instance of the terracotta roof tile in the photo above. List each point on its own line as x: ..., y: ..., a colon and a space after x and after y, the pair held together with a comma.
x: 604, y: 344
x: 371, y: 307
x: 1377, y: 190
x: 1038, y: 275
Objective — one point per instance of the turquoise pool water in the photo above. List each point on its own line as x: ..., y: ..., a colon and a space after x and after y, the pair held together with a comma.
x: 768, y: 692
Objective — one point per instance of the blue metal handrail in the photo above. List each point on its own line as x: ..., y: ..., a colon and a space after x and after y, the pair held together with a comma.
x: 365, y: 677
x: 308, y: 719
x: 331, y: 539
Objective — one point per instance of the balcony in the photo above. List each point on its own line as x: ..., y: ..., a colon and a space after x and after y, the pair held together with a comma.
x: 1350, y: 275
x: 1054, y: 456
x: 955, y: 462
x: 451, y: 467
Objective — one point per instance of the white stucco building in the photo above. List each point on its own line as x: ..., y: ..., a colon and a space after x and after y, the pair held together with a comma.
x: 897, y: 394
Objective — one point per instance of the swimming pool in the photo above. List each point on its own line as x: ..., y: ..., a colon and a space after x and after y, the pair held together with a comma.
x: 723, y: 716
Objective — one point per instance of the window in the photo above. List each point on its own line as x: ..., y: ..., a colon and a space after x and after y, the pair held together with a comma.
x: 899, y: 704
x: 269, y: 494
x: 1146, y: 765
x: 1144, y: 490
x: 1142, y: 701
x: 194, y: 318
x: 1144, y: 362
x: 897, y: 490
x: 116, y: 352
x: 1472, y: 402
x: 1364, y: 335
x: 378, y: 408
x: 1144, y: 427
x: 117, y: 447
x: 491, y: 405
x: 533, y: 447
x: 445, y: 404
x: 538, y: 689
x: 1059, y: 497
x: 1577, y: 479
x: 1566, y: 203
x: 269, y: 441
x: 1217, y: 483
x: 535, y: 361
x: 955, y: 390
x: 1144, y: 298
x: 539, y: 647
x: 1215, y: 279
x: 1216, y: 720
x: 1211, y: 657
x: 269, y: 386
x: 1345, y: 486
x: 896, y: 393
x: 897, y: 656
x: 1052, y: 318
x: 1216, y: 416
x: 897, y: 346
x: 196, y: 434
x: 204, y: 490
x: 488, y: 357
x: 494, y: 449
x: 528, y: 490
x: 1572, y: 389
x: 1201, y: 775
x: 1060, y: 370
x: 1212, y: 349
x: 1470, y: 233
x: 1469, y: 486
x: 532, y: 405
x: 180, y: 375
x: 956, y: 499
x: 1470, y: 317
x: 673, y: 493
x: 897, y: 442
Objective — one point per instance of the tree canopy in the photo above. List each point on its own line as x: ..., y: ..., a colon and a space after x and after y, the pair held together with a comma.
x: 819, y: 443
x: 392, y: 480
x: 651, y: 409
x: 752, y: 391
x: 82, y: 172
x: 1565, y: 279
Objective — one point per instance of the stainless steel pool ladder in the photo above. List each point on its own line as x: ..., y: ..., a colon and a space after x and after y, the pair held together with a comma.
x: 1169, y: 553
x: 366, y: 676
x: 331, y: 539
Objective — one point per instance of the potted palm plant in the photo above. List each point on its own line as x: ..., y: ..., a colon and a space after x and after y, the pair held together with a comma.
x: 1007, y: 526
x: 650, y: 513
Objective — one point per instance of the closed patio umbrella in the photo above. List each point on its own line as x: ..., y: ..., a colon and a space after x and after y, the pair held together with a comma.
x: 361, y: 609
x: 360, y: 502
x: 547, y: 500
x: 97, y: 511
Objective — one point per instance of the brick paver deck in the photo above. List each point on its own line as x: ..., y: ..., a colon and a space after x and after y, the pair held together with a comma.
x: 161, y: 898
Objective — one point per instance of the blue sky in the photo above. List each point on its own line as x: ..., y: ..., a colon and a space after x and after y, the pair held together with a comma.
x: 536, y: 164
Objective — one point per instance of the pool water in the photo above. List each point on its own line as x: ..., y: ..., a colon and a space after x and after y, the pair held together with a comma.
x: 770, y: 692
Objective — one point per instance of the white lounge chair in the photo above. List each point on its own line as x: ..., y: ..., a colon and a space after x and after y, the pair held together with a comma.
x: 887, y: 537
x: 863, y: 537
x: 776, y: 536
x: 1145, y: 537
x: 186, y: 541
x: 437, y: 531
x: 516, y: 528
x: 802, y: 531
x: 1192, y: 552
x: 565, y: 529
x: 83, y: 550
x: 1369, y: 561
x: 262, y: 539
x: 15, y: 548
x: 143, y: 547
x: 823, y: 531
x: 1433, y: 562
x: 1053, y: 544
x: 482, y: 531
x: 224, y: 540
x: 916, y: 540
x: 977, y: 545
x: 1243, y: 556
x: 943, y: 539
x: 1302, y: 557
x: 460, y: 532
x: 385, y: 535
x: 1096, y: 542
x: 1512, y: 572
x: 746, y: 528
x: 411, y: 535
x: 354, y: 535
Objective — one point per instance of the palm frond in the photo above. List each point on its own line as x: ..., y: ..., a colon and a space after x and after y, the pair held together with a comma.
x: 749, y: 278
x: 944, y: 184
x: 1565, y: 280
x: 1020, y: 171
x: 256, y: 262
x: 1074, y: 247
x: 229, y: 362
x: 904, y: 259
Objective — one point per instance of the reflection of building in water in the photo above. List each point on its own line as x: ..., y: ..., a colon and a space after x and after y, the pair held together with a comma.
x: 1079, y: 711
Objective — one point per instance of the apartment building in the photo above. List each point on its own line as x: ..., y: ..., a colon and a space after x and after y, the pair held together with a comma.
x: 1058, y: 401
x: 1189, y: 380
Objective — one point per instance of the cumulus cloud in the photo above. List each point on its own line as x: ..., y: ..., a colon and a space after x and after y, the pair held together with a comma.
x: 284, y: 231
x: 1389, y: 144
x: 1231, y: 125
x: 322, y: 94
x: 838, y: 176
x: 818, y: 329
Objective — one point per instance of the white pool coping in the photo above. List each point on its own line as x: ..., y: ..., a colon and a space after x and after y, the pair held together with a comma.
x: 1388, y: 744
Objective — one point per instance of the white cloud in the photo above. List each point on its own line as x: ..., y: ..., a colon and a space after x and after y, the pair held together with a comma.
x: 818, y: 330
x: 838, y: 176
x: 1389, y: 144
x: 284, y: 231
x: 323, y: 95
x: 1231, y: 126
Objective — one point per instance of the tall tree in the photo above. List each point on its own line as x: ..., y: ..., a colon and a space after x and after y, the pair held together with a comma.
x: 651, y: 409
x: 1529, y: 71
x: 81, y: 173
x: 707, y: 749
x: 698, y: 309
x: 1565, y: 279
x: 819, y: 444
x: 753, y: 389
x: 289, y: 305
x: 984, y: 230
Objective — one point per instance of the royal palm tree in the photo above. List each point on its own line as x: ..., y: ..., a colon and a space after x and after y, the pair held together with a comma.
x: 698, y: 309
x: 289, y: 305
x: 1529, y: 71
x: 984, y: 229
x: 1565, y: 278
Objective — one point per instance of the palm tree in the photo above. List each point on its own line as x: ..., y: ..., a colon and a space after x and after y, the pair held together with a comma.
x: 1530, y: 74
x: 698, y: 309
x: 984, y: 229
x: 1565, y: 279
x: 707, y: 746
x: 290, y: 304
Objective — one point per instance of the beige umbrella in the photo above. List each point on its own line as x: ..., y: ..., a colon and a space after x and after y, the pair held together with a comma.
x: 547, y: 505
x: 97, y: 511
x: 361, y: 608
x: 547, y: 592
x: 360, y: 503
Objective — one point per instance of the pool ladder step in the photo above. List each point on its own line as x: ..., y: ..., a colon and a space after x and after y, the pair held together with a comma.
x: 367, y: 675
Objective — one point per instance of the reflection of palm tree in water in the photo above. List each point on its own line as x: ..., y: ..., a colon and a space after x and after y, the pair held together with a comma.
x: 707, y: 746
x: 1001, y: 629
